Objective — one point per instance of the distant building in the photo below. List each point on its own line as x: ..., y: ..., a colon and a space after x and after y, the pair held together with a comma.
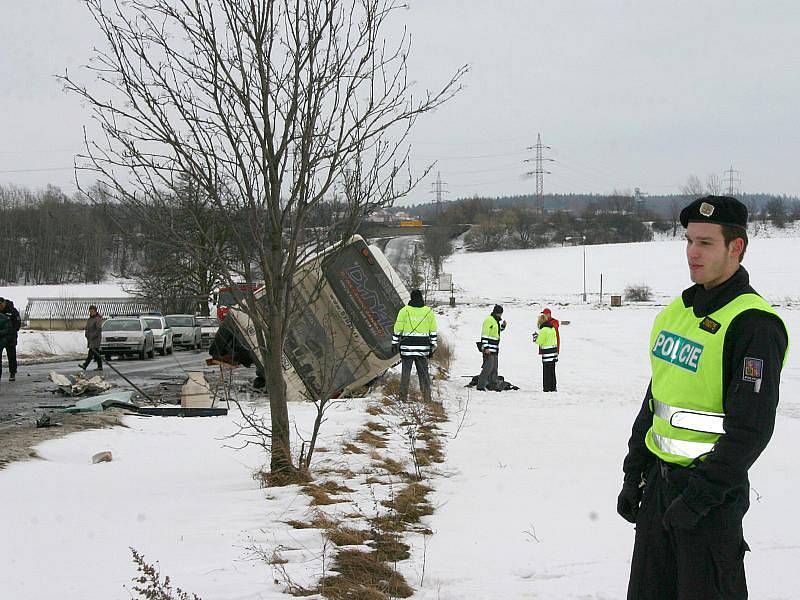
x: 71, y: 313
x: 380, y: 216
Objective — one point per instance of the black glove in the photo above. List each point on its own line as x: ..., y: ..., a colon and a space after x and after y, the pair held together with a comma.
x: 679, y: 515
x: 395, y: 348
x: 628, y: 501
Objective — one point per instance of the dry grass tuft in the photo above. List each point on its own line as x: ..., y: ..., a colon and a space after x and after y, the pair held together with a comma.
x: 298, y: 591
x: 333, y: 487
x: 388, y: 547
x: 392, y: 466
x: 434, y: 450
x: 436, y: 412
x: 365, y: 436
x: 411, y: 503
x: 374, y: 410
x: 388, y: 522
x: 373, y: 426
x: 342, y: 472
x: 349, y: 448
x: 391, y: 389
x: 321, y: 494
x: 361, y: 575
x: 347, y: 536
x: 319, y: 497
x: 281, y: 478
x: 277, y: 559
x: 319, y: 521
x: 442, y: 357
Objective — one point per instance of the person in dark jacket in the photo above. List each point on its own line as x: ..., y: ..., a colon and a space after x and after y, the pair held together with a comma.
x: 716, y: 354
x: 94, y: 336
x: 10, y: 324
x: 415, y: 338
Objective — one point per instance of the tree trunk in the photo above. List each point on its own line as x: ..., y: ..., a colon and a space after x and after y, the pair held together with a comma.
x: 281, y: 459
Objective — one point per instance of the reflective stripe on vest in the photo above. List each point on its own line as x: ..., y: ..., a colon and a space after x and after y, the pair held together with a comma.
x: 683, y: 448
x: 685, y: 418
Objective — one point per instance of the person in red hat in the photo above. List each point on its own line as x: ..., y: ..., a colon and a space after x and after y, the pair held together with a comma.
x: 554, y: 323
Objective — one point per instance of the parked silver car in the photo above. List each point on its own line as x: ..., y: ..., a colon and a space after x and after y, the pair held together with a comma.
x: 185, y: 331
x: 127, y: 335
x: 208, y: 329
x: 162, y: 333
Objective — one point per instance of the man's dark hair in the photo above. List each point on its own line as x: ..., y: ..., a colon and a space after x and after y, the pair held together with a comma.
x: 730, y: 233
x: 92, y: 307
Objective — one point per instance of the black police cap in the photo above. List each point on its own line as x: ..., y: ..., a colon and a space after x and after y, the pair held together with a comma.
x: 722, y: 210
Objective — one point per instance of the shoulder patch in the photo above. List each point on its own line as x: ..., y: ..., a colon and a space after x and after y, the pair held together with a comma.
x: 710, y: 325
x: 753, y: 369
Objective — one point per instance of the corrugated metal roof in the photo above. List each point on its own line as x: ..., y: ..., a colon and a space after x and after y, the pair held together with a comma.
x: 78, y: 308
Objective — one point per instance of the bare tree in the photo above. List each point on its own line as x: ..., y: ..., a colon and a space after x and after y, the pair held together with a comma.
x: 267, y: 107
x: 776, y: 209
x: 692, y: 189
x: 713, y: 184
x: 437, y: 245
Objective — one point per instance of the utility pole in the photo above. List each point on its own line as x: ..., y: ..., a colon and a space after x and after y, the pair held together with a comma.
x: 734, y: 182
x: 437, y: 188
x: 538, y: 170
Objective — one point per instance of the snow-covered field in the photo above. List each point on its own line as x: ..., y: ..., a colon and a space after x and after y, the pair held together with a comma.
x: 37, y: 344
x: 525, y: 503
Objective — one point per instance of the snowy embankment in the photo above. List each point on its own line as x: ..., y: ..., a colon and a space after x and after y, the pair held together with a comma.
x: 525, y: 503
x: 39, y: 344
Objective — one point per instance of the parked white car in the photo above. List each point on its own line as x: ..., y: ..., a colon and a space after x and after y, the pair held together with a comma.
x: 185, y: 331
x: 127, y: 335
x: 208, y: 329
x: 162, y: 333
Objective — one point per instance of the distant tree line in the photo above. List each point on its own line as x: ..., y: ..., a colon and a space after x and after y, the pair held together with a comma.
x: 619, y: 217
x: 47, y: 237
x: 659, y: 206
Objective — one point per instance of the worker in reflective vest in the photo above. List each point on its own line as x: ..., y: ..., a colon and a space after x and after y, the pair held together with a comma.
x: 490, y: 347
x: 415, y: 338
x: 716, y: 354
x: 547, y: 341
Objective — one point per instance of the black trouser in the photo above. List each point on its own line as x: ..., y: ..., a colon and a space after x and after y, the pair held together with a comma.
x: 11, y: 353
x: 93, y: 354
x: 549, y: 376
x: 488, y: 374
x: 421, y: 363
x: 704, y: 563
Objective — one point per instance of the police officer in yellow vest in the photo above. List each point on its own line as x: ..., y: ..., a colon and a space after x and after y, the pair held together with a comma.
x: 490, y: 347
x: 415, y: 338
x: 716, y: 354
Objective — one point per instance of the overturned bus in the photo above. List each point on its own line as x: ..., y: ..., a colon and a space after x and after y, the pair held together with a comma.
x: 342, y: 339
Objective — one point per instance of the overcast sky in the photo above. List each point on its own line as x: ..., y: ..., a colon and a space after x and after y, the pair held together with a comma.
x: 627, y: 94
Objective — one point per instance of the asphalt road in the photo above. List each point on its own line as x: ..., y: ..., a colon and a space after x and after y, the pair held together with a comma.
x: 20, y: 400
